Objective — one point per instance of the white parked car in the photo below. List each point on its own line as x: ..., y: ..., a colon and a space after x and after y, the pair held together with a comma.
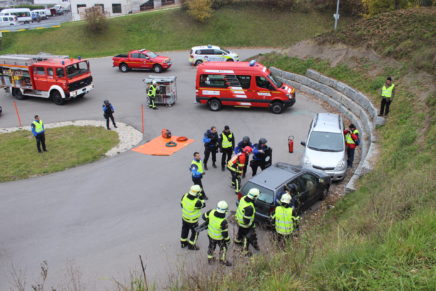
x: 325, y: 146
x: 211, y: 53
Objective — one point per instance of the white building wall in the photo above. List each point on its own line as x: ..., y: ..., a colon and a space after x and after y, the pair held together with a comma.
x: 126, y: 6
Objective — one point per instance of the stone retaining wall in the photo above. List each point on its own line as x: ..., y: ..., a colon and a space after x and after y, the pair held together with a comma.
x: 349, y: 102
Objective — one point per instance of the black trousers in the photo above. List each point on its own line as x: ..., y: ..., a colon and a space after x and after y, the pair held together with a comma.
x: 40, y: 140
x: 186, y: 228
x: 212, y: 246
x: 107, y: 116
x: 384, y: 106
x: 197, y: 181
x: 207, y: 152
x: 236, y: 180
x: 247, y: 236
x: 254, y: 164
x: 350, y: 157
x: 226, y: 156
x: 151, y: 102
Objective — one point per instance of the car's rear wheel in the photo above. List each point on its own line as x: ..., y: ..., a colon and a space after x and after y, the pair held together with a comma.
x: 198, y: 62
x: 124, y: 68
x: 229, y: 60
x: 214, y: 105
x: 56, y: 97
x: 277, y: 107
x: 157, y: 68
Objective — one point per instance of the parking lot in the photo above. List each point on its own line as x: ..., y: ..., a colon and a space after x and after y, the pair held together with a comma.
x: 100, y: 217
x: 47, y: 23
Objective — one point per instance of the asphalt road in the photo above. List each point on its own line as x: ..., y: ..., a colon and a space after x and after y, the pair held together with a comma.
x: 49, y: 22
x: 98, y: 218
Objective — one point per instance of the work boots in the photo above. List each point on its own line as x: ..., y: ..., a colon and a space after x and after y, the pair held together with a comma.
x: 193, y: 247
x: 226, y: 263
x: 214, y: 165
x: 205, y: 167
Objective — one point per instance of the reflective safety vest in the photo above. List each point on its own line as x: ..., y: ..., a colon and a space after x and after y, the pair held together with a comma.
x: 199, y: 165
x: 152, y: 91
x: 226, y: 143
x: 387, y: 92
x: 39, y: 126
x: 284, y: 220
x: 214, y: 229
x: 190, y: 213
x: 349, y: 139
x: 240, y: 213
x: 235, y: 163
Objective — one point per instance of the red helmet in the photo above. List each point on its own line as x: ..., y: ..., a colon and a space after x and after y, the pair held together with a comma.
x: 247, y: 150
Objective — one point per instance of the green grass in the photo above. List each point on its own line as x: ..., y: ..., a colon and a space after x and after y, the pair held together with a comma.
x: 237, y: 25
x: 67, y: 146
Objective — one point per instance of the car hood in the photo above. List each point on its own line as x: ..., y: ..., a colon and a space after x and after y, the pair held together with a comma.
x: 161, y: 59
x: 324, y: 159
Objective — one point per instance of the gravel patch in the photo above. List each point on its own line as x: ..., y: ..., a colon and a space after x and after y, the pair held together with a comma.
x: 127, y: 135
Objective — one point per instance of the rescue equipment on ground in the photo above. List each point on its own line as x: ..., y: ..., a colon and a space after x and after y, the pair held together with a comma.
x: 166, y: 93
x: 170, y: 144
x: 166, y: 133
x: 182, y: 138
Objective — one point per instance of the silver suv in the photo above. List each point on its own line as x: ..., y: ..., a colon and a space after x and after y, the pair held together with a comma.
x: 325, y: 146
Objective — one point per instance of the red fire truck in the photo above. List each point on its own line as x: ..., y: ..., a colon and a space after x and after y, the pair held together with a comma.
x: 58, y: 78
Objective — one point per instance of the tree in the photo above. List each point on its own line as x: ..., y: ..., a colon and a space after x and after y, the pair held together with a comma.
x: 200, y: 10
x: 95, y: 18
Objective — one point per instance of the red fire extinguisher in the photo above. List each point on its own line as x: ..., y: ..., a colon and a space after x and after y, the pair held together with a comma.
x: 291, y: 144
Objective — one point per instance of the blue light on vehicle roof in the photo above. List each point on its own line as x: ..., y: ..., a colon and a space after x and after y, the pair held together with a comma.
x: 209, y: 46
x: 79, y: 57
x: 63, y: 63
x: 252, y: 63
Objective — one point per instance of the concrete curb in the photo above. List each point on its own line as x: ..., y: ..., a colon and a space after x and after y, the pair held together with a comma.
x: 350, y: 102
x: 128, y: 136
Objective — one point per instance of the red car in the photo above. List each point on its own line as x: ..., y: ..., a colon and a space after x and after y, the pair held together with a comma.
x: 141, y: 60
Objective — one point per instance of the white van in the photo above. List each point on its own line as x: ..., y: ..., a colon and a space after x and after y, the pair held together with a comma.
x: 22, y: 14
x: 8, y: 20
x: 41, y: 13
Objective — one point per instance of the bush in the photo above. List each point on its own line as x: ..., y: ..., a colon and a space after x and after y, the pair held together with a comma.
x: 96, y: 21
x: 346, y: 7
x: 200, y: 10
x: 220, y: 3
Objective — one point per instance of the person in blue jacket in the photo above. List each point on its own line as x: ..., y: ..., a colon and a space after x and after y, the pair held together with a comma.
x: 245, y: 142
x: 260, y: 153
x: 108, y: 112
x: 197, y: 172
x: 38, y: 130
x: 211, y: 145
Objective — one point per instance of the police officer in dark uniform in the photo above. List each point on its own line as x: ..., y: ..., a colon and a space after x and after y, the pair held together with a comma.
x: 261, y: 152
x: 210, y: 140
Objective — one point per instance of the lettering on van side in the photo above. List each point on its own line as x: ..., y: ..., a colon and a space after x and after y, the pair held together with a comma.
x: 263, y: 94
x: 207, y: 92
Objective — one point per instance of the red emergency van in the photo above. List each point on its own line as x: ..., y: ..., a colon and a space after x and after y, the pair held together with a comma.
x: 241, y: 84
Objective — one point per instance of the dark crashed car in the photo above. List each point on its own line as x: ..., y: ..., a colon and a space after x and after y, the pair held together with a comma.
x: 311, y: 186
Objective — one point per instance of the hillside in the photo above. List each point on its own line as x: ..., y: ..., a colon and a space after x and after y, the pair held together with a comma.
x: 380, y: 237
x: 236, y: 25
x: 406, y: 35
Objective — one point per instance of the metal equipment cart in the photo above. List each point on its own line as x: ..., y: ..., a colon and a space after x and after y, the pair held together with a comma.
x: 166, y: 93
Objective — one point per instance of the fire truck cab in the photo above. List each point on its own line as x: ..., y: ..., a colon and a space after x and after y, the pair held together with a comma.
x: 58, y: 78
x: 241, y: 84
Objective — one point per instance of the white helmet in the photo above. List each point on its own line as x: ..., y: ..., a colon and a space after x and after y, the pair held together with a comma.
x: 253, y: 193
x: 154, y: 82
x: 222, y: 207
x: 286, y: 198
x: 195, y: 189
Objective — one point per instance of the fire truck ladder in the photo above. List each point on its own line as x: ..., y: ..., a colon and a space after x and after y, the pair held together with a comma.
x: 27, y: 60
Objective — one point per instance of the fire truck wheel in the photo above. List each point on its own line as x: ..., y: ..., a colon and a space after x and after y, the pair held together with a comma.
x: 198, y: 62
x: 276, y: 107
x: 56, y: 97
x: 124, y: 68
x: 18, y: 94
x: 157, y: 68
x: 214, y: 105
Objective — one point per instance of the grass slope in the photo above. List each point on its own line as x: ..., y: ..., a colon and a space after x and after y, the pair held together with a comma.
x: 67, y: 146
x: 407, y: 35
x: 237, y: 25
x: 381, y: 237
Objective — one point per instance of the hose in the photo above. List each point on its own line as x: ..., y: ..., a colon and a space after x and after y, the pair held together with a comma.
x: 171, y: 144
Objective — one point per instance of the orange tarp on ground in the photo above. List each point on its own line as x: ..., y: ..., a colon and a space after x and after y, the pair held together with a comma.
x: 157, y: 147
